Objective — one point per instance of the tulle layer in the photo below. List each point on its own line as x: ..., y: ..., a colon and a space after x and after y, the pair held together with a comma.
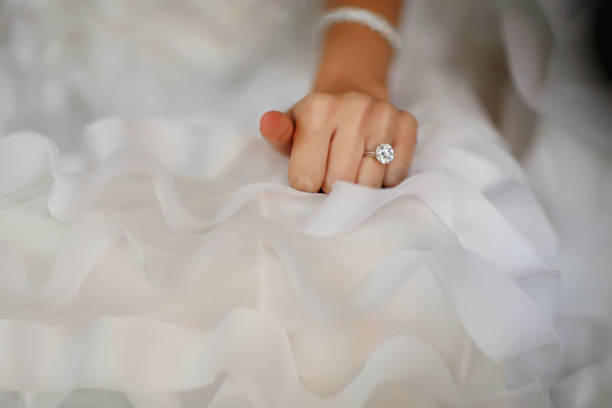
x: 172, y: 256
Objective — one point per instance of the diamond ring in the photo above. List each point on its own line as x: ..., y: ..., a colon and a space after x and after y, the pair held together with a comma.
x: 384, y: 153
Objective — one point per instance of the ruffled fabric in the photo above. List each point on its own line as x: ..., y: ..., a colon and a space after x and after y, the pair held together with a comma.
x: 568, y: 163
x: 171, y: 257
x: 157, y: 261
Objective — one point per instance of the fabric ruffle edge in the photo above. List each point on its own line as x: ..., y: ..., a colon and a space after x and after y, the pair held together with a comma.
x: 501, y: 289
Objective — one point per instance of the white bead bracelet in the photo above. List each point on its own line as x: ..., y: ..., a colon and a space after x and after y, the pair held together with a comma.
x: 362, y: 16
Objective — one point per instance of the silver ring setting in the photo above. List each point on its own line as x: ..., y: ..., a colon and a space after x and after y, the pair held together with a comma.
x: 384, y: 153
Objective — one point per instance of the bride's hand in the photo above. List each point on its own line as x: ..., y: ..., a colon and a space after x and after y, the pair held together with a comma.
x: 326, y: 134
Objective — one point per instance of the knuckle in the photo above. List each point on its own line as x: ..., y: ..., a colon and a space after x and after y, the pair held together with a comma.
x: 314, y: 109
x: 315, y: 103
x: 408, y: 121
x: 379, y: 121
x: 356, y: 98
x: 383, y: 111
x: 384, y: 106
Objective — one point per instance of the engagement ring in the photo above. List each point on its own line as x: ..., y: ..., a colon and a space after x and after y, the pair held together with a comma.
x: 384, y: 153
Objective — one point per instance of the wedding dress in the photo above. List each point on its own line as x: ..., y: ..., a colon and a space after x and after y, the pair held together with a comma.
x: 159, y: 258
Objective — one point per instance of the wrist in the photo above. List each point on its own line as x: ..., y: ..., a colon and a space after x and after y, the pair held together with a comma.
x: 354, y: 58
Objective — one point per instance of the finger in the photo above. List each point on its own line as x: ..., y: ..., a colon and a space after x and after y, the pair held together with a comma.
x: 380, y: 128
x: 313, y: 131
x: 277, y: 128
x: 404, y: 142
x: 346, y: 146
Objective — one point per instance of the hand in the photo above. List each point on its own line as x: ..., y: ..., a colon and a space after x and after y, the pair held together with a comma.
x: 326, y: 134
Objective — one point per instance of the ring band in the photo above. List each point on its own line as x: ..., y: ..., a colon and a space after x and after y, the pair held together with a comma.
x: 384, y: 153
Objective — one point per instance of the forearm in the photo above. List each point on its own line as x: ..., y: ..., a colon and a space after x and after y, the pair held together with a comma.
x: 354, y: 57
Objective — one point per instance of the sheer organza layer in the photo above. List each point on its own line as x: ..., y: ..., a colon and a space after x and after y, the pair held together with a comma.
x: 170, y: 256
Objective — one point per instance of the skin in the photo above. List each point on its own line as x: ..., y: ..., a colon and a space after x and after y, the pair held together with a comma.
x: 348, y: 111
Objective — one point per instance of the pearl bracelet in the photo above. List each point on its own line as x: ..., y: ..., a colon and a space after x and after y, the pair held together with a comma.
x: 362, y: 16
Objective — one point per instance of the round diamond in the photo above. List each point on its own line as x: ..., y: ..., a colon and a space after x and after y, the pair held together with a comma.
x: 384, y: 153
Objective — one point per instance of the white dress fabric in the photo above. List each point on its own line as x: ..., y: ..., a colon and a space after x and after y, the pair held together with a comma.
x: 569, y: 163
x: 160, y: 258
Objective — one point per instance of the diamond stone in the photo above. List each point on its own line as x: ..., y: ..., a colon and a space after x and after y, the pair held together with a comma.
x: 384, y: 153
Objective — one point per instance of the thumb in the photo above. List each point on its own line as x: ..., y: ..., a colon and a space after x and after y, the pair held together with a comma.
x: 277, y: 128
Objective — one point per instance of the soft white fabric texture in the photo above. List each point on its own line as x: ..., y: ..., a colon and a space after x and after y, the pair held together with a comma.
x: 165, y: 261
x: 569, y: 162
